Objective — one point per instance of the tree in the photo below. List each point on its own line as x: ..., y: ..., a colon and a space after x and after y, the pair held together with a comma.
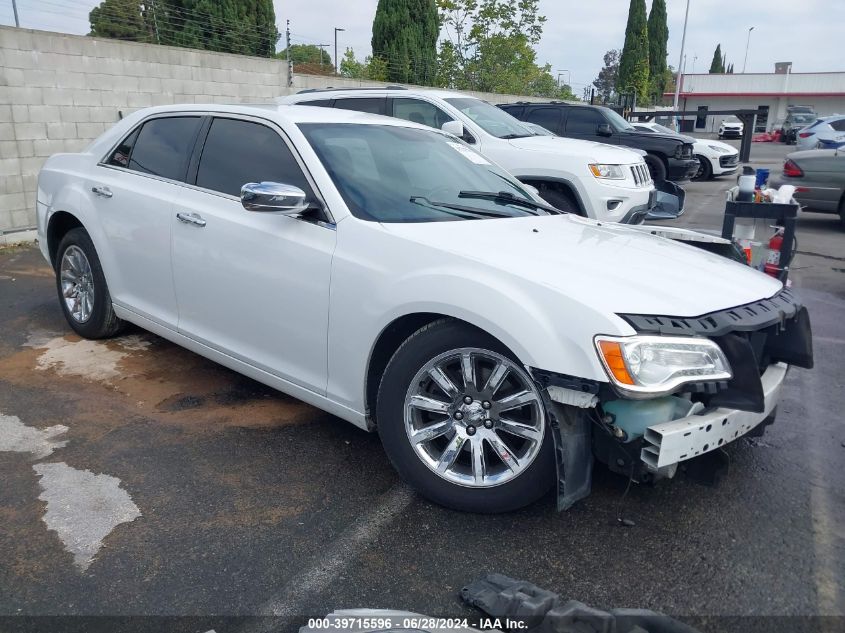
x: 731, y: 69
x: 246, y: 27
x: 372, y: 68
x: 405, y: 37
x: 717, y: 65
x: 121, y: 20
x: 605, y: 83
x: 634, y: 62
x: 306, y: 54
x: 489, y: 46
x: 658, y: 39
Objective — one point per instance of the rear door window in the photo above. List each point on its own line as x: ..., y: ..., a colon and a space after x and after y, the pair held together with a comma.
x: 418, y: 111
x: 549, y: 118
x: 237, y: 152
x: 373, y: 105
x: 839, y: 125
x: 162, y: 147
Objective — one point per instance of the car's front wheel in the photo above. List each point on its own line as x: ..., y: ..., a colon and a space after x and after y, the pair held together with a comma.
x: 705, y: 169
x: 463, y: 422
x: 81, y: 285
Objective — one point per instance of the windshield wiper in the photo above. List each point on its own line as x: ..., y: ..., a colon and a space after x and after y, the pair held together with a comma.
x: 464, y: 211
x: 507, y: 197
x: 508, y: 137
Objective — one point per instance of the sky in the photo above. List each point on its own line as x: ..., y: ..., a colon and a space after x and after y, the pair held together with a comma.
x: 576, y: 34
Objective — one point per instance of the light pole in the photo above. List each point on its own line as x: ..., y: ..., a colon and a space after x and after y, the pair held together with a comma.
x: 335, y: 48
x: 15, y: 9
x: 679, y: 76
x: 747, y: 43
x: 568, y: 80
x: 321, y: 46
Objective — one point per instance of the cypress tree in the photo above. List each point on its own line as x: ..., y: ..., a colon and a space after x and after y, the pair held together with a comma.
x: 405, y: 36
x: 658, y: 39
x: 634, y: 63
x: 717, y: 65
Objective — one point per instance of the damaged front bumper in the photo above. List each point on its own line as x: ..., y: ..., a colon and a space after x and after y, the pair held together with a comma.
x: 646, y: 440
x: 688, y: 437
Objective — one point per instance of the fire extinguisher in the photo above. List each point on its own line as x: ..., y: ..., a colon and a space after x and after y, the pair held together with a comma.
x: 772, y: 266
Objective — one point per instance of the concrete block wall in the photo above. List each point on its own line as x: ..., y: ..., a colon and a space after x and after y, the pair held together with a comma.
x: 58, y: 92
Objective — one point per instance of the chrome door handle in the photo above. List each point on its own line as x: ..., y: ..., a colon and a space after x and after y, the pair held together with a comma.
x: 102, y: 191
x: 191, y: 218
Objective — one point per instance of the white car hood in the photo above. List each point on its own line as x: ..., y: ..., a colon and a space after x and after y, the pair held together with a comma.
x: 587, y: 150
x: 703, y: 147
x: 604, y: 266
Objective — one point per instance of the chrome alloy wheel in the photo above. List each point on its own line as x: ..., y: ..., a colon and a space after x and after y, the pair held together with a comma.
x: 474, y: 417
x: 77, y: 284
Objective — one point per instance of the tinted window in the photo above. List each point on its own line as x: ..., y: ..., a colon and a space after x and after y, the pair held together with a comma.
x: 839, y: 125
x: 120, y: 156
x: 549, y: 118
x: 513, y: 110
x: 420, y: 112
x: 583, y: 121
x: 163, y: 146
x: 323, y: 103
x: 237, y: 152
x: 375, y: 105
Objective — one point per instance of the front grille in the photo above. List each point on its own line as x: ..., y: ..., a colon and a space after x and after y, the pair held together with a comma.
x: 729, y: 161
x: 641, y: 175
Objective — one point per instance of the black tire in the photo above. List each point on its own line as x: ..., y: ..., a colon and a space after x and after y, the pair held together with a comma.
x: 560, y: 200
x: 705, y: 170
x: 103, y: 322
x: 424, y: 345
x: 656, y: 168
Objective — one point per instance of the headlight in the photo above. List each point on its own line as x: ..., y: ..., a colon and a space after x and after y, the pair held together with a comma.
x: 721, y: 150
x: 648, y: 366
x: 610, y: 172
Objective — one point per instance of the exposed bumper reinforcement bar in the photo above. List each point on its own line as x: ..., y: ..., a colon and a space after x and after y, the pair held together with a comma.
x: 672, y: 442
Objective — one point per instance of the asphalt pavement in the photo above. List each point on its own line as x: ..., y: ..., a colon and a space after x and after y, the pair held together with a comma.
x: 138, y: 479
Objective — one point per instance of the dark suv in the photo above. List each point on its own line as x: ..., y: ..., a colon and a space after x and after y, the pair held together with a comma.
x: 668, y: 157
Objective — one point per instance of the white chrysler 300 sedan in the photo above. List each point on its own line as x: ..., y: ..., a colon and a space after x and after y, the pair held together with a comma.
x: 389, y: 274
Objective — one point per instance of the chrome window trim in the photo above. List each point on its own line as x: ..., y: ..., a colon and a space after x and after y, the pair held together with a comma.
x: 332, y: 224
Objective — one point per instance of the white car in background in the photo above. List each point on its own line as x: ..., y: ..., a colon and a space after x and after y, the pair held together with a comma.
x: 596, y: 180
x: 714, y: 157
x: 394, y: 277
x: 731, y: 127
x: 830, y: 129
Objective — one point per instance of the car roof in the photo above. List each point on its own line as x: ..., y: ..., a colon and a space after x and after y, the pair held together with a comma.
x: 282, y: 113
x: 394, y: 91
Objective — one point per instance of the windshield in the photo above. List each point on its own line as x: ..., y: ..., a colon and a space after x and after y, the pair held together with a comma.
x: 388, y: 173
x: 617, y: 122
x: 802, y: 118
x: 491, y: 119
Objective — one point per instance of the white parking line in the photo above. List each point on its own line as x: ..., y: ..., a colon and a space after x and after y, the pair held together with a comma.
x: 338, y: 555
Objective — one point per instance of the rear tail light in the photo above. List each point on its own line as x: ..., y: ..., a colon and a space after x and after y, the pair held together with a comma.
x: 805, y: 134
x: 791, y: 170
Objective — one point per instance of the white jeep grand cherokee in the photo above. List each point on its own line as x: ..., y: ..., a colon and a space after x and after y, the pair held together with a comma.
x: 388, y: 274
x: 595, y: 180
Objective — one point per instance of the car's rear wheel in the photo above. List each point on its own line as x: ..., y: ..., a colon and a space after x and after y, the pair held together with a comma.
x: 463, y: 422
x: 81, y: 285
x: 705, y: 169
x: 656, y: 168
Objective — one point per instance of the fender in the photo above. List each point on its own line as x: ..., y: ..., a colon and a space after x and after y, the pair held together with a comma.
x: 554, y: 175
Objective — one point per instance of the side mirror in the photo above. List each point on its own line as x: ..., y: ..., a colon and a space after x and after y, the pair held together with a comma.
x: 455, y: 128
x: 604, y: 130
x: 273, y: 197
